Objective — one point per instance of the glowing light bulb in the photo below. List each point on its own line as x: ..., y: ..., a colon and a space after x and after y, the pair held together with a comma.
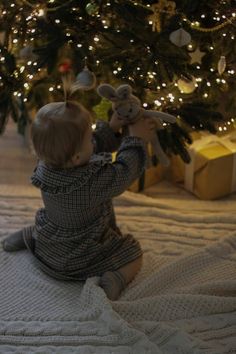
x: 40, y: 12
x: 158, y: 103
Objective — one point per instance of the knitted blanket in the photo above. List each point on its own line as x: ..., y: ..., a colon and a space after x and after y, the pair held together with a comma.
x: 182, y: 301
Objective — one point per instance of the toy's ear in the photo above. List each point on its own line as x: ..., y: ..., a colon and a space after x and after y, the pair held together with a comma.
x: 161, y: 115
x: 124, y: 92
x: 107, y: 91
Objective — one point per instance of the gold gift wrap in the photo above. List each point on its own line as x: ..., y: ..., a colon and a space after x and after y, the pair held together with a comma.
x: 212, y: 171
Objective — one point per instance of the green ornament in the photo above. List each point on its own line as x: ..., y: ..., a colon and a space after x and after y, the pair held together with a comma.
x: 92, y: 8
x: 102, y: 108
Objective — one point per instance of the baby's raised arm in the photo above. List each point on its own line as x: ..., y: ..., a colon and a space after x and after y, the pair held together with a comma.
x: 114, y: 178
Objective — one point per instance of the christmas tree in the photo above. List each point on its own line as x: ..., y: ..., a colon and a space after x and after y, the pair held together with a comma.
x: 178, y: 56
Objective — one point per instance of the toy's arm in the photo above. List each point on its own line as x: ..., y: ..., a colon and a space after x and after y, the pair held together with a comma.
x: 160, y: 115
x: 159, y: 152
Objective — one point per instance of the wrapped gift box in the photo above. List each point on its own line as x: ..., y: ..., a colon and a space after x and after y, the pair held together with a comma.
x: 212, y: 171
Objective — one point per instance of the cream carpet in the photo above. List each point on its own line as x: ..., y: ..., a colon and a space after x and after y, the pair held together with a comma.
x: 182, y: 301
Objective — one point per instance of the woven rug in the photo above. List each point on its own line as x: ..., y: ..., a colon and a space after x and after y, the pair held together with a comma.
x: 182, y: 301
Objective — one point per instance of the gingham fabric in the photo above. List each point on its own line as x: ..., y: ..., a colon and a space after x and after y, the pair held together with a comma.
x: 75, y: 235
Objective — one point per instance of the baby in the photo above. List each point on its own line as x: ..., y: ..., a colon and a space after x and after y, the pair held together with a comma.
x: 75, y: 235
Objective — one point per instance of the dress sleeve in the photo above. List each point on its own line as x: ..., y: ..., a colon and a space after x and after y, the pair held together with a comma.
x: 105, y: 140
x: 114, y: 178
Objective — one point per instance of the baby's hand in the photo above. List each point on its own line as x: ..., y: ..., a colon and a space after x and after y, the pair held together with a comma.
x: 115, y: 123
x: 144, y: 128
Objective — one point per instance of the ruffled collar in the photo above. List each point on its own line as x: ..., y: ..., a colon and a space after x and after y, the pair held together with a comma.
x: 62, y: 181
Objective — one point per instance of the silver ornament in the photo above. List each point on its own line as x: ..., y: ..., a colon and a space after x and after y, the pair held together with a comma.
x: 86, y: 79
x: 180, y: 37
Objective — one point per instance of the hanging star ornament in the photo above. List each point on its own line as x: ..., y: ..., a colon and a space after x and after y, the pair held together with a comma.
x: 196, y: 56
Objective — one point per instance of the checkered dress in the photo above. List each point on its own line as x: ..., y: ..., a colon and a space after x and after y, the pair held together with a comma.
x: 75, y: 235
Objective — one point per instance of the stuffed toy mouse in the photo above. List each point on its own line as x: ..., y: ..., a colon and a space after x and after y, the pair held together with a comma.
x: 128, y: 108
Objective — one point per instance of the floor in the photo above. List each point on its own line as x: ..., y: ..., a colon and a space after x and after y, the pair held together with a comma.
x: 16, y: 160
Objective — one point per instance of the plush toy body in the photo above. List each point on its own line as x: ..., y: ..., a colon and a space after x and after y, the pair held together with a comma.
x: 128, y: 108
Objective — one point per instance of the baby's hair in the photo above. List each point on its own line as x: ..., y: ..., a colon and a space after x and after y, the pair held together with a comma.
x: 58, y: 131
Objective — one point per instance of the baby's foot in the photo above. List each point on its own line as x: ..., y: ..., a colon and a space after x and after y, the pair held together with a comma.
x: 112, y: 283
x: 14, y: 242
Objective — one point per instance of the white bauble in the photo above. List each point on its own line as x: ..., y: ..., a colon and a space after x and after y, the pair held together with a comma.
x: 26, y: 53
x: 180, y: 37
x: 86, y: 79
x: 221, y: 65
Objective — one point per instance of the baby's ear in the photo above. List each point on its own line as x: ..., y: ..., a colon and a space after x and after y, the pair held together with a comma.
x: 124, y: 91
x: 161, y: 115
x: 107, y: 91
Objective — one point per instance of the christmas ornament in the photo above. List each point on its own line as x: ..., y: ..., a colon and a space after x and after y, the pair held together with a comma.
x: 27, y: 53
x: 65, y: 66
x: 221, y: 65
x: 187, y: 84
x: 163, y: 6
x: 196, y: 56
x: 86, y: 79
x: 102, y: 109
x: 92, y: 8
x: 180, y: 37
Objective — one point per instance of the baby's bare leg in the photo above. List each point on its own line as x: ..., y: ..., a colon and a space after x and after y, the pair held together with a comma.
x: 131, y: 269
x: 114, y: 282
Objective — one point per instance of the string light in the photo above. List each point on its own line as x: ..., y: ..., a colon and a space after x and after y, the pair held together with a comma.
x: 151, y: 75
x: 158, y: 103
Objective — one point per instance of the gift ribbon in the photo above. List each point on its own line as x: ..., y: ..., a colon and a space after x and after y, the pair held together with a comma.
x: 228, y: 141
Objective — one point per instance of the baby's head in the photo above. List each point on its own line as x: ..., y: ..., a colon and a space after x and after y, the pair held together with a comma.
x: 62, y: 134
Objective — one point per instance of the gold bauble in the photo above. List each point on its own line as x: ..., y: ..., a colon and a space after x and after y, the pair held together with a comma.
x: 186, y: 85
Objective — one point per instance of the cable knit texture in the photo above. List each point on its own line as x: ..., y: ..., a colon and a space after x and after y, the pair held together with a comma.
x: 182, y: 301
